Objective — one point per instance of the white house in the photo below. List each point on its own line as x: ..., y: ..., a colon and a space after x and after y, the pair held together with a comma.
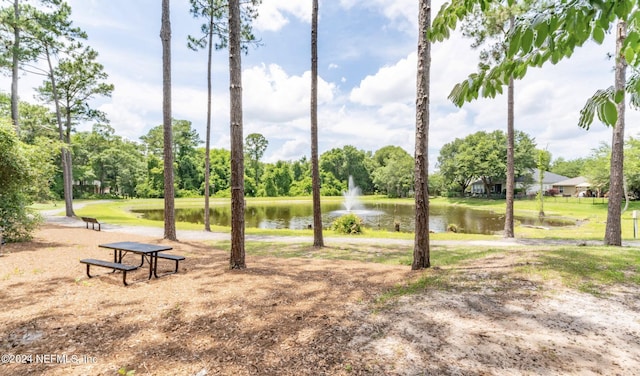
x: 532, y: 183
x: 529, y: 183
x: 574, y: 187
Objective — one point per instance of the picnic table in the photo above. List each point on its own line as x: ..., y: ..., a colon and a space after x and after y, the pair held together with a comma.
x: 148, y: 252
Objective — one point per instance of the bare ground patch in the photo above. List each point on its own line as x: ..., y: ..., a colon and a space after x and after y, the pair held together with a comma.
x: 299, y: 316
x: 490, y: 321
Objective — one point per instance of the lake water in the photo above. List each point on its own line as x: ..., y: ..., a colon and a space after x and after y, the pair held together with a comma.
x: 298, y: 216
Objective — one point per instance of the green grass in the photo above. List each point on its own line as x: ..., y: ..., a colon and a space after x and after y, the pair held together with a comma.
x: 590, y: 213
x: 588, y: 269
x: 591, y: 270
x: 381, y: 254
x: 391, y: 255
x: 121, y: 212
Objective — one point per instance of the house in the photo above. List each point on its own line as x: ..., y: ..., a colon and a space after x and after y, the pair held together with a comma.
x: 574, y: 187
x: 529, y: 183
x: 477, y: 188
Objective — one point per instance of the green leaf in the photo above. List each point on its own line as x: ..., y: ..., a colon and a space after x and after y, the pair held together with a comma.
x: 633, y: 38
x: 498, y: 88
x: 610, y: 113
x: 553, y: 24
x: 629, y: 55
x: 635, y: 81
x: 598, y: 35
x: 618, y: 97
x: 622, y: 9
x: 536, y: 59
x: 541, y: 35
x: 527, y: 41
x: 521, y: 71
x: 514, y: 43
x: 603, y: 22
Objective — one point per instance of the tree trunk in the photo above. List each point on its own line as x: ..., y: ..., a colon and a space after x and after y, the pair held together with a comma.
x: 169, y: 193
x: 237, y: 259
x: 421, y: 253
x: 508, y: 218
x: 486, y: 187
x: 207, y: 148
x: 540, y: 185
x: 613, y: 230
x: 65, y: 157
x: 318, y: 241
x: 14, y: 71
x: 69, y: 163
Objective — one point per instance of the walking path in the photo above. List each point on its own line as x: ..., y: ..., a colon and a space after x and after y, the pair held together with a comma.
x: 54, y: 217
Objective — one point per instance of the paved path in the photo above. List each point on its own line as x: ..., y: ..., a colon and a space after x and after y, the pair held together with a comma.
x: 54, y: 217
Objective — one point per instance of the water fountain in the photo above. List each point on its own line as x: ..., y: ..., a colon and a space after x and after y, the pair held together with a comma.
x: 351, y: 202
x: 351, y: 196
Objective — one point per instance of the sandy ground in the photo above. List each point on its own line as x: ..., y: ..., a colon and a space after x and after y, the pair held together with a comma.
x: 297, y: 316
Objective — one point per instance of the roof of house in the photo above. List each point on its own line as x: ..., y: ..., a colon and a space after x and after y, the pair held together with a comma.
x: 572, y: 182
x: 548, y: 178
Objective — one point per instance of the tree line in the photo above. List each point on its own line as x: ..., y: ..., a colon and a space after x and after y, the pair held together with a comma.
x: 482, y: 156
x: 106, y: 164
x: 526, y: 33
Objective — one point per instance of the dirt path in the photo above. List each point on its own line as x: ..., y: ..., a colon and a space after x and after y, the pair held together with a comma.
x: 490, y: 321
x: 299, y: 316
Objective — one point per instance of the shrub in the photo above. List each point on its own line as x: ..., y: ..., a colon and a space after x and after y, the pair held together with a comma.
x: 348, y: 224
x: 187, y: 193
x: 552, y: 192
x: 21, y: 174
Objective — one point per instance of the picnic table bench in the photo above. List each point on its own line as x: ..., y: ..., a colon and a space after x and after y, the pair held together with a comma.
x: 93, y: 222
x: 176, y: 258
x: 112, y: 265
x: 148, y: 252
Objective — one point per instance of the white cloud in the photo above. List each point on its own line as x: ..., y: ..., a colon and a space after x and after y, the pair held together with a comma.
x: 403, y: 14
x: 390, y: 84
x: 273, y: 96
x: 378, y: 111
x: 272, y: 14
x: 290, y: 150
x: 133, y: 106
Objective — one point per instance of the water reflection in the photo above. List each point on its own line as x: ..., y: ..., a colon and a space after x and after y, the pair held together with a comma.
x: 298, y: 216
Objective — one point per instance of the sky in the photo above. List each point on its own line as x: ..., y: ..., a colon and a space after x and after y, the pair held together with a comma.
x: 367, y: 78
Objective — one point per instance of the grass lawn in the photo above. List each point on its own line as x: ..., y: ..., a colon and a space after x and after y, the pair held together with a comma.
x: 590, y: 215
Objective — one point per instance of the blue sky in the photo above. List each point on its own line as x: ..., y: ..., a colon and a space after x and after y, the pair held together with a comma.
x: 367, y: 67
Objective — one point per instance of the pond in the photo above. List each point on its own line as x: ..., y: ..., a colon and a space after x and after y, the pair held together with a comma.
x: 298, y: 216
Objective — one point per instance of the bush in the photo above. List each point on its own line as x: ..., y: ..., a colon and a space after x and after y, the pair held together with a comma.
x: 145, y: 190
x: 552, y: 192
x: 21, y: 173
x: 187, y: 193
x: 348, y: 224
x: 223, y: 193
